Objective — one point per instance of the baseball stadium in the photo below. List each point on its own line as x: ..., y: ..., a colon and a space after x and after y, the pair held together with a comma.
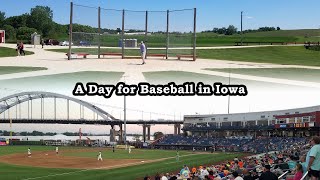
x: 48, y: 132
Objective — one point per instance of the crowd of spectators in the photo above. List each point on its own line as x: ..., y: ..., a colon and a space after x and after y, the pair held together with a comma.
x: 254, y: 145
x: 292, y: 163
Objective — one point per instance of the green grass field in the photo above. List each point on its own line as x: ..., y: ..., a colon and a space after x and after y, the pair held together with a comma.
x: 299, y: 74
x: 9, y: 52
x: 275, y: 54
x: 13, y: 172
x: 18, y: 69
x: 136, y: 154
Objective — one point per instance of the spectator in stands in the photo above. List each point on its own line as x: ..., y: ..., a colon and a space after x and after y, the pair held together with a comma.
x: 255, y: 175
x: 203, y: 173
x: 267, y: 174
x: 246, y: 175
x: 313, y: 158
x: 147, y: 178
x: 303, y: 163
x: 211, y: 176
x: 236, y: 176
x: 172, y: 177
x: 291, y: 163
x: 163, y: 177
x: 299, y: 172
x: 185, y: 171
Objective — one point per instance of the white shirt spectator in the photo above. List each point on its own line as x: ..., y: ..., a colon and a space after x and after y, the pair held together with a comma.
x: 164, y: 178
x: 238, y: 178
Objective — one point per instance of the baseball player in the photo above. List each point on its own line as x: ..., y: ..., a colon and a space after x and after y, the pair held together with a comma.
x: 129, y: 149
x: 100, y: 156
x: 57, y: 150
x: 112, y: 148
x: 29, y: 152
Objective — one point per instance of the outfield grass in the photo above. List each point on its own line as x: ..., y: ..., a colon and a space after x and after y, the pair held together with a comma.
x: 6, y: 150
x: 18, y: 69
x: 135, y: 154
x: 10, y: 172
x: 299, y: 74
x: 286, y: 55
x: 9, y: 52
x: 207, y: 39
x: 64, y: 81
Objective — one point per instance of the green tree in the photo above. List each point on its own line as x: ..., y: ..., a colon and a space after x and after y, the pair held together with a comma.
x: 18, y: 21
x: 24, y: 33
x: 2, y: 18
x: 158, y: 135
x: 41, y: 19
x: 10, y: 32
x: 231, y: 30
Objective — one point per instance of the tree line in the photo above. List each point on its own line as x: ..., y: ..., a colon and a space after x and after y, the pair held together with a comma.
x: 38, y: 133
x: 40, y: 20
x: 231, y: 29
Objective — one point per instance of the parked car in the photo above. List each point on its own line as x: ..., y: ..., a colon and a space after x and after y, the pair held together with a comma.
x: 51, y: 42
x: 64, y: 43
x: 84, y: 43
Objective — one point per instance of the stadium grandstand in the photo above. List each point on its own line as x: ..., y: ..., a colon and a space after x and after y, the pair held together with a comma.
x: 255, y: 132
x: 280, y: 141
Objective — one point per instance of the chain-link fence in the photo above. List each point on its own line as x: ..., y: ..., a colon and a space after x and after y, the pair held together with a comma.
x: 111, y: 32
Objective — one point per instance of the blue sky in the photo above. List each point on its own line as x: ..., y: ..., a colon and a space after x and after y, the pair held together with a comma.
x: 288, y: 14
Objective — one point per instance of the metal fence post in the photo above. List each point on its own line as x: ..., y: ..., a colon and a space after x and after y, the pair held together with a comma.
x: 70, y: 30
x: 122, y: 35
x: 194, y: 34
x: 99, y: 31
x: 167, y: 43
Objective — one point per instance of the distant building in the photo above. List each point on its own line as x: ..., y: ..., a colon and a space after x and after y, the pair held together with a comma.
x: 290, y: 122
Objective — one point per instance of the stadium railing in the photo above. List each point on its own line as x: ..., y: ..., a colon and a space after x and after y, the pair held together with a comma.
x: 304, y: 176
x: 282, y: 175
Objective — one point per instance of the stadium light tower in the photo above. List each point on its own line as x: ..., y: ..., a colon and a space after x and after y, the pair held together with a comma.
x: 124, y: 116
x: 229, y: 95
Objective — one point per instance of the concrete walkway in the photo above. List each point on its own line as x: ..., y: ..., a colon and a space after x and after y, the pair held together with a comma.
x: 57, y: 63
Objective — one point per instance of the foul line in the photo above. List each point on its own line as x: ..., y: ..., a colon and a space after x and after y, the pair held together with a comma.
x: 108, y: 167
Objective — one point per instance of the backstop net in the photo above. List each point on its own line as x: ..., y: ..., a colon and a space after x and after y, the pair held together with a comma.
x: 85, y: 36
x: 104, y: 32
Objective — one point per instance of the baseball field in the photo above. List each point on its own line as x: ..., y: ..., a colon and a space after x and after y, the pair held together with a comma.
x: 81, y: 163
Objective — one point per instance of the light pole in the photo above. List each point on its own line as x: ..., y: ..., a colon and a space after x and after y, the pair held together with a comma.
x: 124, y: 116
x: 229, y: 95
